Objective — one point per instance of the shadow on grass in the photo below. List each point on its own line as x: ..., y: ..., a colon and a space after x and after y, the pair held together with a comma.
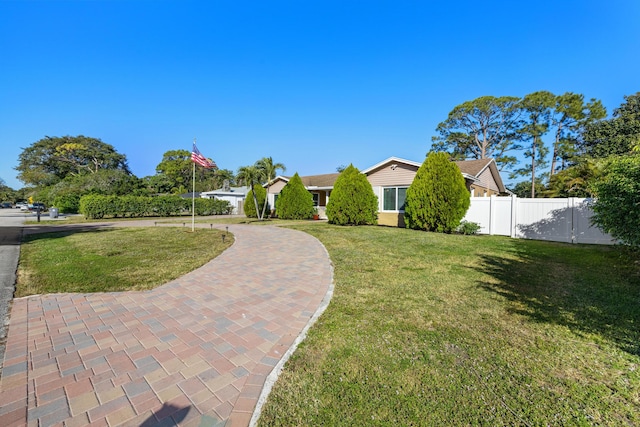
x: 590, y: 290
x: 33, y: 233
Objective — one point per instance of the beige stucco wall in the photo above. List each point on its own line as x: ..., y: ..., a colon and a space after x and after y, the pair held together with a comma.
x: 391, y: 219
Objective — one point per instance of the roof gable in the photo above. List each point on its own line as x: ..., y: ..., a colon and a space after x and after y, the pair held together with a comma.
x: 476, y: 167
x: 390, y: 160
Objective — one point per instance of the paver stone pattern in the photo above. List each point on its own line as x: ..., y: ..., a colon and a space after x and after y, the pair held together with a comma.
x: 193, y: 352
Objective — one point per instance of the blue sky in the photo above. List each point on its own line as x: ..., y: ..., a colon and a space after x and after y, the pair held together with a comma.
x: 313, y: 84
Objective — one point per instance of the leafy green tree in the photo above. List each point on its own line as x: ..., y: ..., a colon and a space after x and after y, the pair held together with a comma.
x: 537, y: 109
x: 616, y: 136
x: 158, y: 184
x: 294, y: 202
x: 7, y: 193
x: 570, y: 116
x: 438, y: 198
x: 352, y: 200
x: 616, y: 210
x: 252, y: 176
x: 52, y: 159
x: 574, y: 181
x: 176, y: 168
x: 523, y: 189
x: 486, y: 127
x: 269, y: 170
x: 105, y: 182
x: 258, y: 194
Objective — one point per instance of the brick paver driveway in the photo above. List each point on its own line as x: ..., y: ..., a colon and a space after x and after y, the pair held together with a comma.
x: 196, y: 351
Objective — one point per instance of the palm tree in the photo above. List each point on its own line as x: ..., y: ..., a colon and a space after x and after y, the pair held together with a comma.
x: 269, y: 169
x: 250, y: 176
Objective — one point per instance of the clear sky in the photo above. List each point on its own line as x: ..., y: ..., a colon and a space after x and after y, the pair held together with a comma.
x: 313, y: 84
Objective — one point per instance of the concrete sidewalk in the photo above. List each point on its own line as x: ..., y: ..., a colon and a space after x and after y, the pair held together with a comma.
x: 194, y: 352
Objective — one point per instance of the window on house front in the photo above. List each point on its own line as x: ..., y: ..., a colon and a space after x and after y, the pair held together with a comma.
x: 393, y: 198
x: 316, y: 199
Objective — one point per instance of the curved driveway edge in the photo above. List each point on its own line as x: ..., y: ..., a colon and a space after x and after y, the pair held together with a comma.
x: 194, y: 352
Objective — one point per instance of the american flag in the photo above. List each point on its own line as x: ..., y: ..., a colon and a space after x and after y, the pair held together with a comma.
x: 198, y: 158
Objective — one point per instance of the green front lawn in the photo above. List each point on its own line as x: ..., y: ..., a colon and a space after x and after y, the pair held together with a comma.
x: 433, y: 329
x: 107, y: 260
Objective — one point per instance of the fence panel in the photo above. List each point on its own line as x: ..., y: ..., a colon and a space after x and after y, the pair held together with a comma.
x: 544, y: 219
x: 559, y: 220
x: 503, y: 211
x: 583, y: 231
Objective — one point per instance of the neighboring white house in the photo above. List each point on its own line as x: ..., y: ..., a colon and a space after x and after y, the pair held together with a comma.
x: 234, y: 195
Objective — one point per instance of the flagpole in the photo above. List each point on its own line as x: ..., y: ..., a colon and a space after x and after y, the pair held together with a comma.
x: 193, y: 197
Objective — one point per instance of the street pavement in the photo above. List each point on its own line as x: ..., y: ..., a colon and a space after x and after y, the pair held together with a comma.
x: 202, y: 350
x: 11, y: 221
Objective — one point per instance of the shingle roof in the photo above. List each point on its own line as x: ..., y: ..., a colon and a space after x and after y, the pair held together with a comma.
x: 473, y: 167
x: 325, y: 180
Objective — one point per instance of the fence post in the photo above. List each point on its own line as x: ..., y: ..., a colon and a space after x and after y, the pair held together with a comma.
x: 514, y: 210
x: 492, y: 214
x: 574, y: 220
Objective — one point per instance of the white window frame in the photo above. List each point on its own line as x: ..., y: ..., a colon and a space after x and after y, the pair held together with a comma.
x: 396, y: 188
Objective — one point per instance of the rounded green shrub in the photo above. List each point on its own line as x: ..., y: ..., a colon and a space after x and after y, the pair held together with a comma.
x: 438, y: 198
x: 249, y: 203
x: 352, y: 201
x: 294, y: 201
x: 67, y: 203
x: 617, y: 206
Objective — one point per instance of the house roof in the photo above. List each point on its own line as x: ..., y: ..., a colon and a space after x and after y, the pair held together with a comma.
x: 233, y: 191
x: 390, y: 160
x: 476, y: 167
x: 314, y: 181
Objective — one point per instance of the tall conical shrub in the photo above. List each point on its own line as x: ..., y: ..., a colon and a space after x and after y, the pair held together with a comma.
x: 352, y: 201
x: 294, y: 201
x: 438, y: 198
x: 249, y: 204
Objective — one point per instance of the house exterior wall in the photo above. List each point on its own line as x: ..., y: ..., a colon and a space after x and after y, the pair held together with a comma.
x: 391, y: 219
x: 487, y: 180
x: 387, y: 176
x: 277, y: 187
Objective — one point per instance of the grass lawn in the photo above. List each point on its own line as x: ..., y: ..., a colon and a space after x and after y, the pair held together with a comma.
x: 109, y: 260
x: 432, y: 329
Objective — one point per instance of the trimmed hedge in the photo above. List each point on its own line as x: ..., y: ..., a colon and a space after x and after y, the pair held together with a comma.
x: 95, y: 206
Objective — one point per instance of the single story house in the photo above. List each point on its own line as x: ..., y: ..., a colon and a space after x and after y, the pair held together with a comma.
x: 319, y: 186
x: 390, y: 180
x: 234, y: 195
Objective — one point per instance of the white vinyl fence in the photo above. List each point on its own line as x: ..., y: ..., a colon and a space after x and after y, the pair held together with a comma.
x: 558, y: 220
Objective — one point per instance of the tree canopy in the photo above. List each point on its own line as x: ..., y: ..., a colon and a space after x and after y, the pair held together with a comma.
x: 616, y: 136
x: 175, y: 174
x: 486, y: 127
x: 52, y: 159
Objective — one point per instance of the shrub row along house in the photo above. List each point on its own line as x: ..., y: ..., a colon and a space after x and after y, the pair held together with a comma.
x: 389, y: 179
